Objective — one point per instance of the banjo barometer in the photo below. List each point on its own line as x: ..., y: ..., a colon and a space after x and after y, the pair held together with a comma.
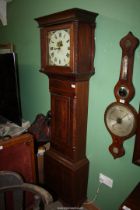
x: 121, y: 117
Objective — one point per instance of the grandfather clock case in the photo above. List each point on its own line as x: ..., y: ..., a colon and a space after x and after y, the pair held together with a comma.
x: 72, y: 32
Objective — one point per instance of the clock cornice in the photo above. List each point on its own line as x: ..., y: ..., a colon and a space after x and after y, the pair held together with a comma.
x: 74, y: 14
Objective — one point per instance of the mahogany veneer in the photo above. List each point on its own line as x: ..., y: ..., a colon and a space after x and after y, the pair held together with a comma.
x: 66, y: 165
x: 136, y: 154
x: 132, y: 202
x: 17, y: 154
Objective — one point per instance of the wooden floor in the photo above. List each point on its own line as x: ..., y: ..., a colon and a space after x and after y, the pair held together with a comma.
x: 90, y: 206
x: 58, y: 205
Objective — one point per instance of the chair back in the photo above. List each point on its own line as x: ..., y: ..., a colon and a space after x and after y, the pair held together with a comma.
x: 13, y: 184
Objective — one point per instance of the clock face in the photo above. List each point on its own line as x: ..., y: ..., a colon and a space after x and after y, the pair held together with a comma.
x: 59, y: 47
x: 120, y: 120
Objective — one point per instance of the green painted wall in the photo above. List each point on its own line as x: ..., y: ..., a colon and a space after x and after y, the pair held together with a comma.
x: 115, y: 20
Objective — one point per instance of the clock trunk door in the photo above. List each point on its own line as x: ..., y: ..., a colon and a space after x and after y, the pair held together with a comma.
x: 60, y: 129
x: 69, y: 103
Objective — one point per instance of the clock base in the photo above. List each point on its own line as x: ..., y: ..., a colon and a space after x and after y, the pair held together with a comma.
x: 66, y: 179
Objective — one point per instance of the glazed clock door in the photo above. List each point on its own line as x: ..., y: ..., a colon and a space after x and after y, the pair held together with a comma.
x: 57, y: 48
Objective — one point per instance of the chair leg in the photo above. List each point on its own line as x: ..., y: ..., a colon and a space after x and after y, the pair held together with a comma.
x: 2, y: 201
x: 18, y: 199
x: 37, y: 200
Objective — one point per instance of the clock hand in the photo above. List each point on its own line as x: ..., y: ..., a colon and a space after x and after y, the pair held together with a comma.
x: 60, y: 44
x: 57, y: 48
x: 113, y: 125
x: 124, y: 116
x: 112, y: 118
x: 117, y: 121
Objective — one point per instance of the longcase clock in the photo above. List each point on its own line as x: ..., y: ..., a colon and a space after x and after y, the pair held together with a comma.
x: 67, y: 56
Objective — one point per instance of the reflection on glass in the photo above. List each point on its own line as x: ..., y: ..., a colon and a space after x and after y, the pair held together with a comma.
x: 124, y: 67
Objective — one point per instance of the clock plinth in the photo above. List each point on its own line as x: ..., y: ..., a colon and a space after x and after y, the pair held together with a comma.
x: 71, y: 182
x: 67, y: 58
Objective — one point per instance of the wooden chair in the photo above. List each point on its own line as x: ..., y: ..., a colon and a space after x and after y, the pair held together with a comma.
x: 12, y: 183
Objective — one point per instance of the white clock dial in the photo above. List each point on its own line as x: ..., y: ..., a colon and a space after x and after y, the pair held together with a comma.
x: 59, y: 47
x: 120, y: 120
